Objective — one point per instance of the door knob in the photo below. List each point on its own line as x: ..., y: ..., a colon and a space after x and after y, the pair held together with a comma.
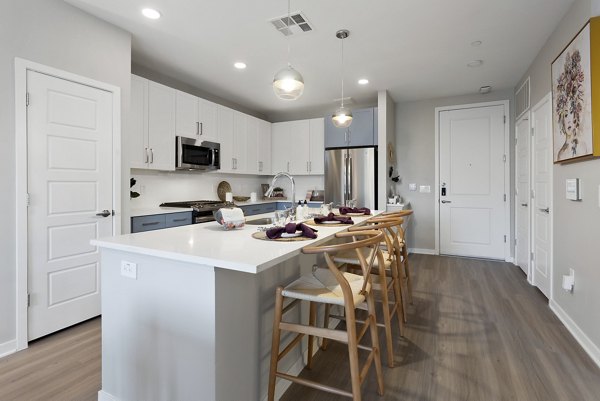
x: 104, y: 213
x: 546, y: 210
x: 446, y: 201
x: 524, y: 204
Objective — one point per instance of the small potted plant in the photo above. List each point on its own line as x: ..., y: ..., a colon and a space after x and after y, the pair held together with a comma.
x: 132, y: 194
x: 277, y: 192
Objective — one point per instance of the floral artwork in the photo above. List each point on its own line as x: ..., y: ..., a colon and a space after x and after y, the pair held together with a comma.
x: 572, y: 101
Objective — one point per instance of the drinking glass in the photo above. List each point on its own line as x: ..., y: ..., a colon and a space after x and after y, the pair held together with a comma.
x: 326, y: 209
x: 281, y: 217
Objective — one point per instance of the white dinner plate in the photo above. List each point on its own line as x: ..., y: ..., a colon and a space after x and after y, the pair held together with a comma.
x: 292, y: 235
x: 331, y: 222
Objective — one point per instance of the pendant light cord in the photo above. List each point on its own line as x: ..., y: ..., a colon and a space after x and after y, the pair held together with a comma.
x: 343, y: 71
x: 289, y: 34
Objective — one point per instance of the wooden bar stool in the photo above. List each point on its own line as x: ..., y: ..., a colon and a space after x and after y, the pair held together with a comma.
x: 385, y: 279
x: 330, y: 286
x: 401, y: 234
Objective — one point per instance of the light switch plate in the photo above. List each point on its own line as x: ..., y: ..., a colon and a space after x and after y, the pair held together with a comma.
x: 412, y: 187
x: 573, y: 190
x: 129, y: 269
x: 425, y: 189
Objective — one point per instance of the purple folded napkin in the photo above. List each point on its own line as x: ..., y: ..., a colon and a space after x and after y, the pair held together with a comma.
x: 290, y: 228
x: 333, y: 217
x: 363, y: 210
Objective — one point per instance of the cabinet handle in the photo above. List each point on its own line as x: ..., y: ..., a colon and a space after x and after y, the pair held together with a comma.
x: 147, y: 157
x: 151, y: 224
x: 310, y: 166
x: 201, y: 128
x: 349, y: 136
x: 178, y: 220
x: 346, y: 136
x: 197, y: 128
x: 307, y: 168
x: 259, y: 166
x: 232, y: 163
x: 151, y: 155
x: 235, y: 163
x: 288, y: 167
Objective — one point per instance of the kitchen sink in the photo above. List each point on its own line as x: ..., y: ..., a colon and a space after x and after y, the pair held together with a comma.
x: 260, y: 222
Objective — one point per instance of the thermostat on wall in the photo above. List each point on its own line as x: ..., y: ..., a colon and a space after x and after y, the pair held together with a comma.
x: 573, y: 191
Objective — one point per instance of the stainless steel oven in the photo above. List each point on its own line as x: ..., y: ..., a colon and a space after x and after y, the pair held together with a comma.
x: 193, y: 154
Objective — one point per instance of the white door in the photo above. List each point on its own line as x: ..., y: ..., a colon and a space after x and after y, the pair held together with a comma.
x: 69, y: 136
x: 297, y: 149
x: 542, y: 195
x: 208, y: 120
x: 187, y: 121
x: 252, y: 144
x: 240, y: 141
x: 226, y: 139
x: 317, y: 146
x: 472, y: 211
x: 280, y: 149
x: 137, y: 123
x: 523, y: 174
x: 264, y: 147
x: 161, y: 127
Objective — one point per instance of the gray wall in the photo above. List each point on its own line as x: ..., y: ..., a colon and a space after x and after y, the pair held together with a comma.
x: 576, y: 224
x: 415, y: 152
x: 53, y: 33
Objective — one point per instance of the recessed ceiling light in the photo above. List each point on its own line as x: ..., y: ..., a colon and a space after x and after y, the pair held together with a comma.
x: 151, y: 13
x: 363, y: 81
x: 475, y: 63
x: 239, y: 65
x: 476, y: 43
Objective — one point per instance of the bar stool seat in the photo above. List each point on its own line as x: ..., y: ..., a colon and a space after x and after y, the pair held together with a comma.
x: 322, y: 287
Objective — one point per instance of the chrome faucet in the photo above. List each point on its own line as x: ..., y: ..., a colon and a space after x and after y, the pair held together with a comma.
x: 270, y: 191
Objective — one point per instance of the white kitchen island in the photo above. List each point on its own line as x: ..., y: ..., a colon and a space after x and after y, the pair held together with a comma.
x: 190, y: 316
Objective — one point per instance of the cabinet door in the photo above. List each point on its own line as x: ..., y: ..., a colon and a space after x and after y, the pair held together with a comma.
x: 264, y: 147
x: 137, y: 123
x: 225, y: 125
x: 298, y: 147
x: 317, y: 147
x: 186, y: 115
x: 161, y: 126
x: 280, y: 147
x: 252, y: 145
x: 147, y: 223
x: 360, y: 132
x: 208, y: 120
x: 178, y: 219
x: 335, y: 137
x: 239, y: 142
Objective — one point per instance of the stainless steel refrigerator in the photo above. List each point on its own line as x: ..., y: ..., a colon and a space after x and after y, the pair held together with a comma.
x: 351, y: 173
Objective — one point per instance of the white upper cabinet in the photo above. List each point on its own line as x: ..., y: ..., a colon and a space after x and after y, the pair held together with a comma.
x: 239, y: 142
x: 252, y: 145
x: 264, y: 147
x: 225, y: 128
x: 208, y: 118
x: 187, y: 117
x: 151, y: 125
x: 161, y: 127
x: 316, y: 141
x: 137, y: 123
x: 298, y: 147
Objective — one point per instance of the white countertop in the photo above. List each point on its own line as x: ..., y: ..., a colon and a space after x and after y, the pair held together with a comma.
x: 150, y: 211
x: 208, y: 244
x: 274, y: 200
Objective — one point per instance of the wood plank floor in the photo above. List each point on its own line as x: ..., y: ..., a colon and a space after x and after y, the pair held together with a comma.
x: 477, y: 331
x: 64, y: 366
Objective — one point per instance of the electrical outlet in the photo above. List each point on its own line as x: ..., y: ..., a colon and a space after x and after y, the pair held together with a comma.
x: 425, y: 189
x: 129, y: 269
x: 412, y: 187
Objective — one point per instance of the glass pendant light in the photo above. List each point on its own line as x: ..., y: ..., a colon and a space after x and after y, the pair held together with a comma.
x: 288, y: 83
x: 342, y: 117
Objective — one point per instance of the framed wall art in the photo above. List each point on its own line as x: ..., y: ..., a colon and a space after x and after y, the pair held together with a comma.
x: 576, y: 96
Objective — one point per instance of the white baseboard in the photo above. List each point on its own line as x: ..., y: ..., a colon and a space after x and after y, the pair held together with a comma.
x: 588, y: 345
x: 510, y: 259
x: 104, y: 396
x: 422, y: 251
x: 7, y: 348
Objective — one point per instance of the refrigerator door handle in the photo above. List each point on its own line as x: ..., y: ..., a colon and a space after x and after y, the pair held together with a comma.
x: 351, y: 179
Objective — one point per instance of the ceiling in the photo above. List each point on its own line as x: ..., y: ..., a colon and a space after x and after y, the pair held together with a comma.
x: 413, y: 48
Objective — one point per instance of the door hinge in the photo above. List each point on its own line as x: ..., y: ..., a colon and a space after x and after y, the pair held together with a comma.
x: 515, y: 242
x: 504, y: 197
x: 504, y: 158
x: 27, y: 199
x: 28, y: 300
x: 505, y: 239
x: 532, y: 194
x: 516, y: 140
x: 532, y: 256
x: 27, y: 99
x: 504, y: 119
x: 532, y: 131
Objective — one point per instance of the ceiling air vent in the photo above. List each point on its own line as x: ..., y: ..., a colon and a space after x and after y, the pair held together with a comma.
x: 298, y: 24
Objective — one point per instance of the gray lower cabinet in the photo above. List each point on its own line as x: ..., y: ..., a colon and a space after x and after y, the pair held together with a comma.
x: 362, y: 131
x: 251, y: 210
x: 159, y: 221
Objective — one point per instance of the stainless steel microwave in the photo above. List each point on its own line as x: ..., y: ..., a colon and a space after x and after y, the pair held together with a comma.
x: 193, y: 154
